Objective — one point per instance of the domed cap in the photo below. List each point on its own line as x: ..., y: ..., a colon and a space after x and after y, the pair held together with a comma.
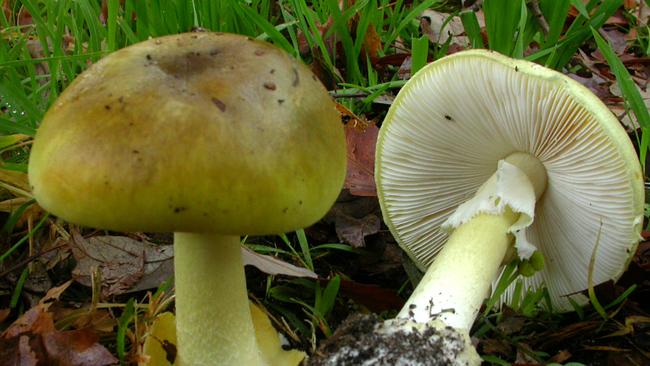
x: 459, y: 116
x: 193, y: 132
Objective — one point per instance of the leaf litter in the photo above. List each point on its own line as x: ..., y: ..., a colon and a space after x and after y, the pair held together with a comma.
x: 33, y: 340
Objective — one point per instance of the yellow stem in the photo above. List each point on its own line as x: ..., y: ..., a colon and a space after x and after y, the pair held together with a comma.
x: 213, y: 319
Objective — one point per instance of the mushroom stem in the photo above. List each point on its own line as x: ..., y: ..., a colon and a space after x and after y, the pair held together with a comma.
x: 214, y: 324
x: 461, y: 275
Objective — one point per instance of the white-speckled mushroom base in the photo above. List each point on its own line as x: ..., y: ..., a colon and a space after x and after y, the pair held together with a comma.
x: 458, y: 117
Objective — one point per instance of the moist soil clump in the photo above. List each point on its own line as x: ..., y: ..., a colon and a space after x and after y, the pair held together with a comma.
x: 363, y: 340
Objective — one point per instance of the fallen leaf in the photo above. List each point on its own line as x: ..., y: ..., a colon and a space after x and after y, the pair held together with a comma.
x: 373, y: 297
x: 354, y: 217
x: 351, y: 120
x: 360, y: 178
x: 524, y: 358
x: 619, y: 109
x: 39, y: 280
x: 495, y: 347
x: 352, y: 231
x: 22, y: 14
x: 617, y: 40
x: 11, y: 204
x: 4, y: 314
x: 274, y: 266
x: 36, y: 317
x: 511, y: 322
x: 561, y: 356
x: 76, y: 348
x: 269, y: 341
x: 433, y: 26
x: 595, y: 83
x: 642, y: 257
x: 15, y: 179
x: 372, y: 44
x: 404, y: 71
x: 17, y: 352
x: 393, y: 59
x: 125, y: 264
x: 159, y: 346
x: 32, y: 339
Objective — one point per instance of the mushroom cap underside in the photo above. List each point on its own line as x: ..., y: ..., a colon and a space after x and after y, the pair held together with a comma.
x: 191, y: 132
x: 456, y: 118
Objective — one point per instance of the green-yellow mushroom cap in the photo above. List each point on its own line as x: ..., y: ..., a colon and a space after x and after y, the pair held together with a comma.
x: 231, y: 136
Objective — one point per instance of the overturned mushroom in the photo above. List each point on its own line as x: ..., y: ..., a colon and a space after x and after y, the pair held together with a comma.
x: 482, y: 160
x: 204, y: 134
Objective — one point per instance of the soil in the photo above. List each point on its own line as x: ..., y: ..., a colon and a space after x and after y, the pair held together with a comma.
x: 364, y: 340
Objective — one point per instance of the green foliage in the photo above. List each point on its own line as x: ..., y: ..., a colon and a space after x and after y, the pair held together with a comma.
x: 558, y: 50
x: 123, y: 324
x: 512, y: 28
x: 24, y: 239
x: 630, y: 92
x: 472, y: 28
x: 315, y: 301
x: 502, y: 23
x: 419, y: 53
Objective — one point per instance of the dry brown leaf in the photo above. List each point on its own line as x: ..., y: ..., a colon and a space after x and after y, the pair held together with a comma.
x: 353, y: 231
x: 76, y: 348
x: 617, y: 40
x: 361, y: 138
x: 33, y: 340
x: 620, y: 111
x: 561, y: 356
x: 125, y: 264
x: 36, y: 317
x: 495, y: 347
x: 15, y: 179
x: 372, y: 44
x: 433, y: 26
x: 376, y: 299
x: 4, y: 314
x: 595, y: 83
x: 11, y: 204
x: 511, y: 323
x: 17, y: 352
x: 34, y: 320
x: 404, y: 71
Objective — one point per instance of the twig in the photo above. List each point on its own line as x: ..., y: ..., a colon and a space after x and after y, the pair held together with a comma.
x: 354, y: 95
x: 537, y: 12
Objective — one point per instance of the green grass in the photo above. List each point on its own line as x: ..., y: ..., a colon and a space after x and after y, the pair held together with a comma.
x: 39, y: 59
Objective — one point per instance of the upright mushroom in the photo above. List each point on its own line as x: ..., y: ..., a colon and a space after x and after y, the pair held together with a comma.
x: 513, y: 159
x: 207, y: 135
x: 510, y: 157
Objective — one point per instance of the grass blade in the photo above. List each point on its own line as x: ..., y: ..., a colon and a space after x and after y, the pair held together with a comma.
x: 472, y: 28
x: 122, y: 327
x: 501, y: 19
x: 590, y: 278
x: 419, y: 53
x: 304, y: 247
